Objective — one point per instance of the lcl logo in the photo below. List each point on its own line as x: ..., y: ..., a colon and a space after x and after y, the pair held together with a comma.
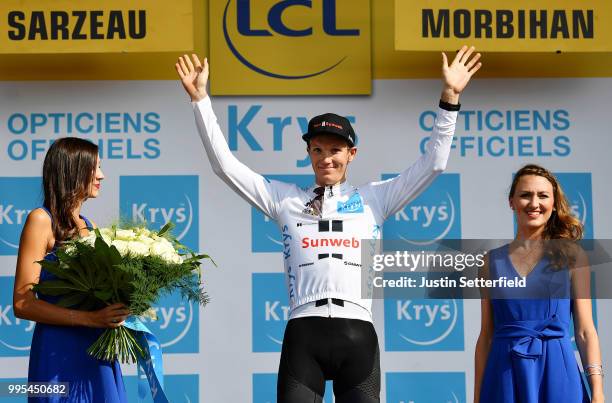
x: 276, y: 26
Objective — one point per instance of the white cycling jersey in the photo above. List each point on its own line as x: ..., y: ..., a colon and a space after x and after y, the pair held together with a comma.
x: 322, y: 254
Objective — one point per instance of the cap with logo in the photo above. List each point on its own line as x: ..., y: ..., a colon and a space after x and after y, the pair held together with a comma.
x: 330, y: 123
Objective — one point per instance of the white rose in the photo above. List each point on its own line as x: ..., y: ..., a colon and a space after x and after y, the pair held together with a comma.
x: 160, y: 249
x: 143, y: 232
x: 122, y: 246
x: 172, y: 257
x: 71, y: 250
x: 89, y: 239
x: 107, y: 232
x: 138, y: 248
x: 107, y: 239
x: 145, y: 240
x: 125, y: 235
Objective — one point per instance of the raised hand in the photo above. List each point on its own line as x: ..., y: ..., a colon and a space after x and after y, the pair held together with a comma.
x: 457, y: 75
x: 193, y: 76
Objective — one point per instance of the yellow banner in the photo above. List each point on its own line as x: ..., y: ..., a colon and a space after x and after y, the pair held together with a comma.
x: 504, y: 26
x: 290, y: 47
x: 91, y: 26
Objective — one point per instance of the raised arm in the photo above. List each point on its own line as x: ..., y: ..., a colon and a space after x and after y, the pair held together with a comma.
x: 395, y: 193
x: 264, y: 194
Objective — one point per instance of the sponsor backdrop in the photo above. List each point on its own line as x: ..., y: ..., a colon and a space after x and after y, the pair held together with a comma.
x: 156, y: 170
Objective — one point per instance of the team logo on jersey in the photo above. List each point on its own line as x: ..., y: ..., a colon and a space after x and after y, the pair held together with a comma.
x: 15, y: 333
x: 423, y: 325
x: 353, y: 205
x: 434, y: 215
x: 416, y: 387
x: 177, y: 325
x: 266, y: 236
x: 18, y: 196
x: 270, y: 311
x: 178, y: 388
x: 156, y: 200
x: 264, y: 389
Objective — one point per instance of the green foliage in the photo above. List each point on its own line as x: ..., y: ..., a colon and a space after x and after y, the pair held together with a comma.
x: 91, y: 277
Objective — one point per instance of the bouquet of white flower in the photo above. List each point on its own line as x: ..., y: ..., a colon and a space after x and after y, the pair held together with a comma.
x: 132, y: 266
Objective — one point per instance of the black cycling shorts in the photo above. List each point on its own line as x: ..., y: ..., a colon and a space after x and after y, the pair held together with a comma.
x: 316, y: 349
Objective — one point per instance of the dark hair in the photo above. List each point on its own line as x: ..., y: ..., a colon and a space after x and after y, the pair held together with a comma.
x: 68, y: 171
x: 562, y: 224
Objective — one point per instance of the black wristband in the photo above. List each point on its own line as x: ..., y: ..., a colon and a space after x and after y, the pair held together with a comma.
x: 449, y: 107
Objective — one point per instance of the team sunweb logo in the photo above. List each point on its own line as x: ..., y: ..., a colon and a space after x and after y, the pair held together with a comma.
x: 434, y: 215
x: 18, y: 196
x: 421, y: 387
x: 264, y: 389
x: 15, y: 333
x: 155, y: 200
x: 266, y: 236
x: 423, y: 325
x: 255, y: 31
x: 270, y: 311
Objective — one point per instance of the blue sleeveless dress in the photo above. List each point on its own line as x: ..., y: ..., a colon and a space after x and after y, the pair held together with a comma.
x: 59, y: 354
x: 532, y: 357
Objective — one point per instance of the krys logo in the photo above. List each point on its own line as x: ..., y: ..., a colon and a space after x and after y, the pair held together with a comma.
x: 15, y: 333
x: 425, y: 387
x: 177, y: 325
x: 577, y: 188
x: 251, y: 28
x: 270, y: 311
x: 155, y: 200
x: 423, y: 325
x: 266, y: 236
x: 434, y: 215
x: 18, y: 196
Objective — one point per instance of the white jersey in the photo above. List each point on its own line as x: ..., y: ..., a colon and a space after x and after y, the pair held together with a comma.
x: 322, y: 254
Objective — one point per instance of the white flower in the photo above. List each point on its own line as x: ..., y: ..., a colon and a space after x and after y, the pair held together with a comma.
x: 145, y: 240
x: 122, y: 246
x: 159, y: 249
x: 138, y: 248
x: 125, y: 235
x: 107, y: 232
x: 164, y: 249
x: 89, y: 239
x: 71, y: 250
x: 172, y: 258
x: 143, y: 232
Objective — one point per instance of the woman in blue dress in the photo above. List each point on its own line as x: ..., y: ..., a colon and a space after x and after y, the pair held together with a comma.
x: 524, y: 352
x: 71, y: 175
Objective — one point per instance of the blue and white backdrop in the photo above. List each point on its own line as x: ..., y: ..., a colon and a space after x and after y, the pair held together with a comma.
x: 156, y: 171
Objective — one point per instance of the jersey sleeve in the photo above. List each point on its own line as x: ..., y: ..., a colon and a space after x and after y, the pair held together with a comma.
x: 264, y: 194
x: 393, y: 194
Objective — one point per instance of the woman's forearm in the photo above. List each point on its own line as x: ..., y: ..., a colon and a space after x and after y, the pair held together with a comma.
x: 590, y: 354
x: 40, y: 311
